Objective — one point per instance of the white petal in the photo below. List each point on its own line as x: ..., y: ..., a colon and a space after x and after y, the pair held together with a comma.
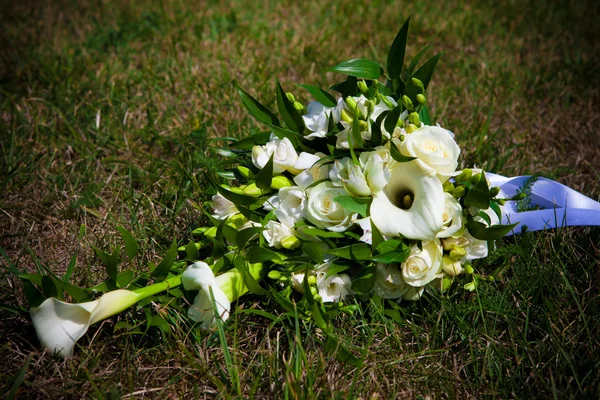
x: 423, y: 220
x: 59, y: 325
x: 197, y: 275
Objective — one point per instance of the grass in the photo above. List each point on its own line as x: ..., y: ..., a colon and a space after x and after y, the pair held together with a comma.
x: 106, y: 109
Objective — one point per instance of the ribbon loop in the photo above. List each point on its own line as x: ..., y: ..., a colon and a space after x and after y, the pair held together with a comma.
x: 560, y: 205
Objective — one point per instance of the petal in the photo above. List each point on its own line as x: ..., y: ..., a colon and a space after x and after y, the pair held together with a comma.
x: 197, y: 275
x: 423, y: 220
x: 59, y: 325
x: 202, y: 309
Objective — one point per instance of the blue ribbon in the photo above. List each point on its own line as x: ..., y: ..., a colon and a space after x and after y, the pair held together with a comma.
x: 561, y: 205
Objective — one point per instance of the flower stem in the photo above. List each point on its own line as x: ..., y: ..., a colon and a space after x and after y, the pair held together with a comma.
x: 158, y: 287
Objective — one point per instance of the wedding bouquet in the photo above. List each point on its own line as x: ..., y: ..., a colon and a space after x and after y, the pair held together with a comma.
x: 357, y: 194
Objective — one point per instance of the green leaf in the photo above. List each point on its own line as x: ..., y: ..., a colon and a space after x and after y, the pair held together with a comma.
x: 479, y: 194
x: 319, y: 232
x: 396, y: 155
x: 365, y: 281
x: 244, y: 235
x: 395, y: 59
x: 416, y: 59
x: 333, y: 346
x: 78, y: 294
x: 265, y: 176
x: 376, y: 236
x: 424, y: 74
x: 255, y: 140
x: 131, y: 246
x: 336, y: 268
x: 354, y: 204
x: 32, y: 293
x: 376, y: 135
x: 424, y: 116
x: 227, y: 231
x: 283, y: 302
x: 391, y: 120
x: 317, y: 316
x: 261, y: 254
x: 251, y: 283
x: 257, y: 110
x: 346, y: 88
x: 320, y: 95
x: 290, y: 115
x: 390, y: 245
x: 124, y: 278
x: 49, y: 287
x: 359, y: 251
x: 314, y: 251
x: 161, y: 271
x: 392, y: 257
x: 191, y: 251
x: 281, y: 133
x: 235, y: 197
x: 73, y: 262
x: 358, y: 67
x: 109, y: 261
x: 482, y: 232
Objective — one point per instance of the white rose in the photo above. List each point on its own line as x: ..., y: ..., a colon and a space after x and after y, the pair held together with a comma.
x: 276, y: 232
x: 422, y: 266
x: 452, y: 217
x: 284, y: 156
x: 332, y: 287
x: 411, y: 204
x: 317, y: 118
x: 389, y: 283
x: 435, y: 149
x: 323, y: 211
x: 222, y: 207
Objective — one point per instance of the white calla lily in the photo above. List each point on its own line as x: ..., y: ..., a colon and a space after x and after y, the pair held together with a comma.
x: 411, y: 204
x: 60, y: 325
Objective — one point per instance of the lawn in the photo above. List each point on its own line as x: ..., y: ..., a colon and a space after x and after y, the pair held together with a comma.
x: 107, y: 113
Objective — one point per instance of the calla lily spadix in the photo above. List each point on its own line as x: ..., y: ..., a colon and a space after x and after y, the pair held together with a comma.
x: 411, y: 204
x: 59, y: 325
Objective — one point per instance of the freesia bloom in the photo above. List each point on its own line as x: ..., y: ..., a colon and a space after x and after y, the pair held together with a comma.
x: 349, y: 175
x: 283, y: 152
x: 422, y: 266
x: 222, y: 207
x: 59, y: 325
x: 411, y: 204
x: 452, y: 217
x: 324, y: 212
x: 435, y: 148
x: 317, y: 118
